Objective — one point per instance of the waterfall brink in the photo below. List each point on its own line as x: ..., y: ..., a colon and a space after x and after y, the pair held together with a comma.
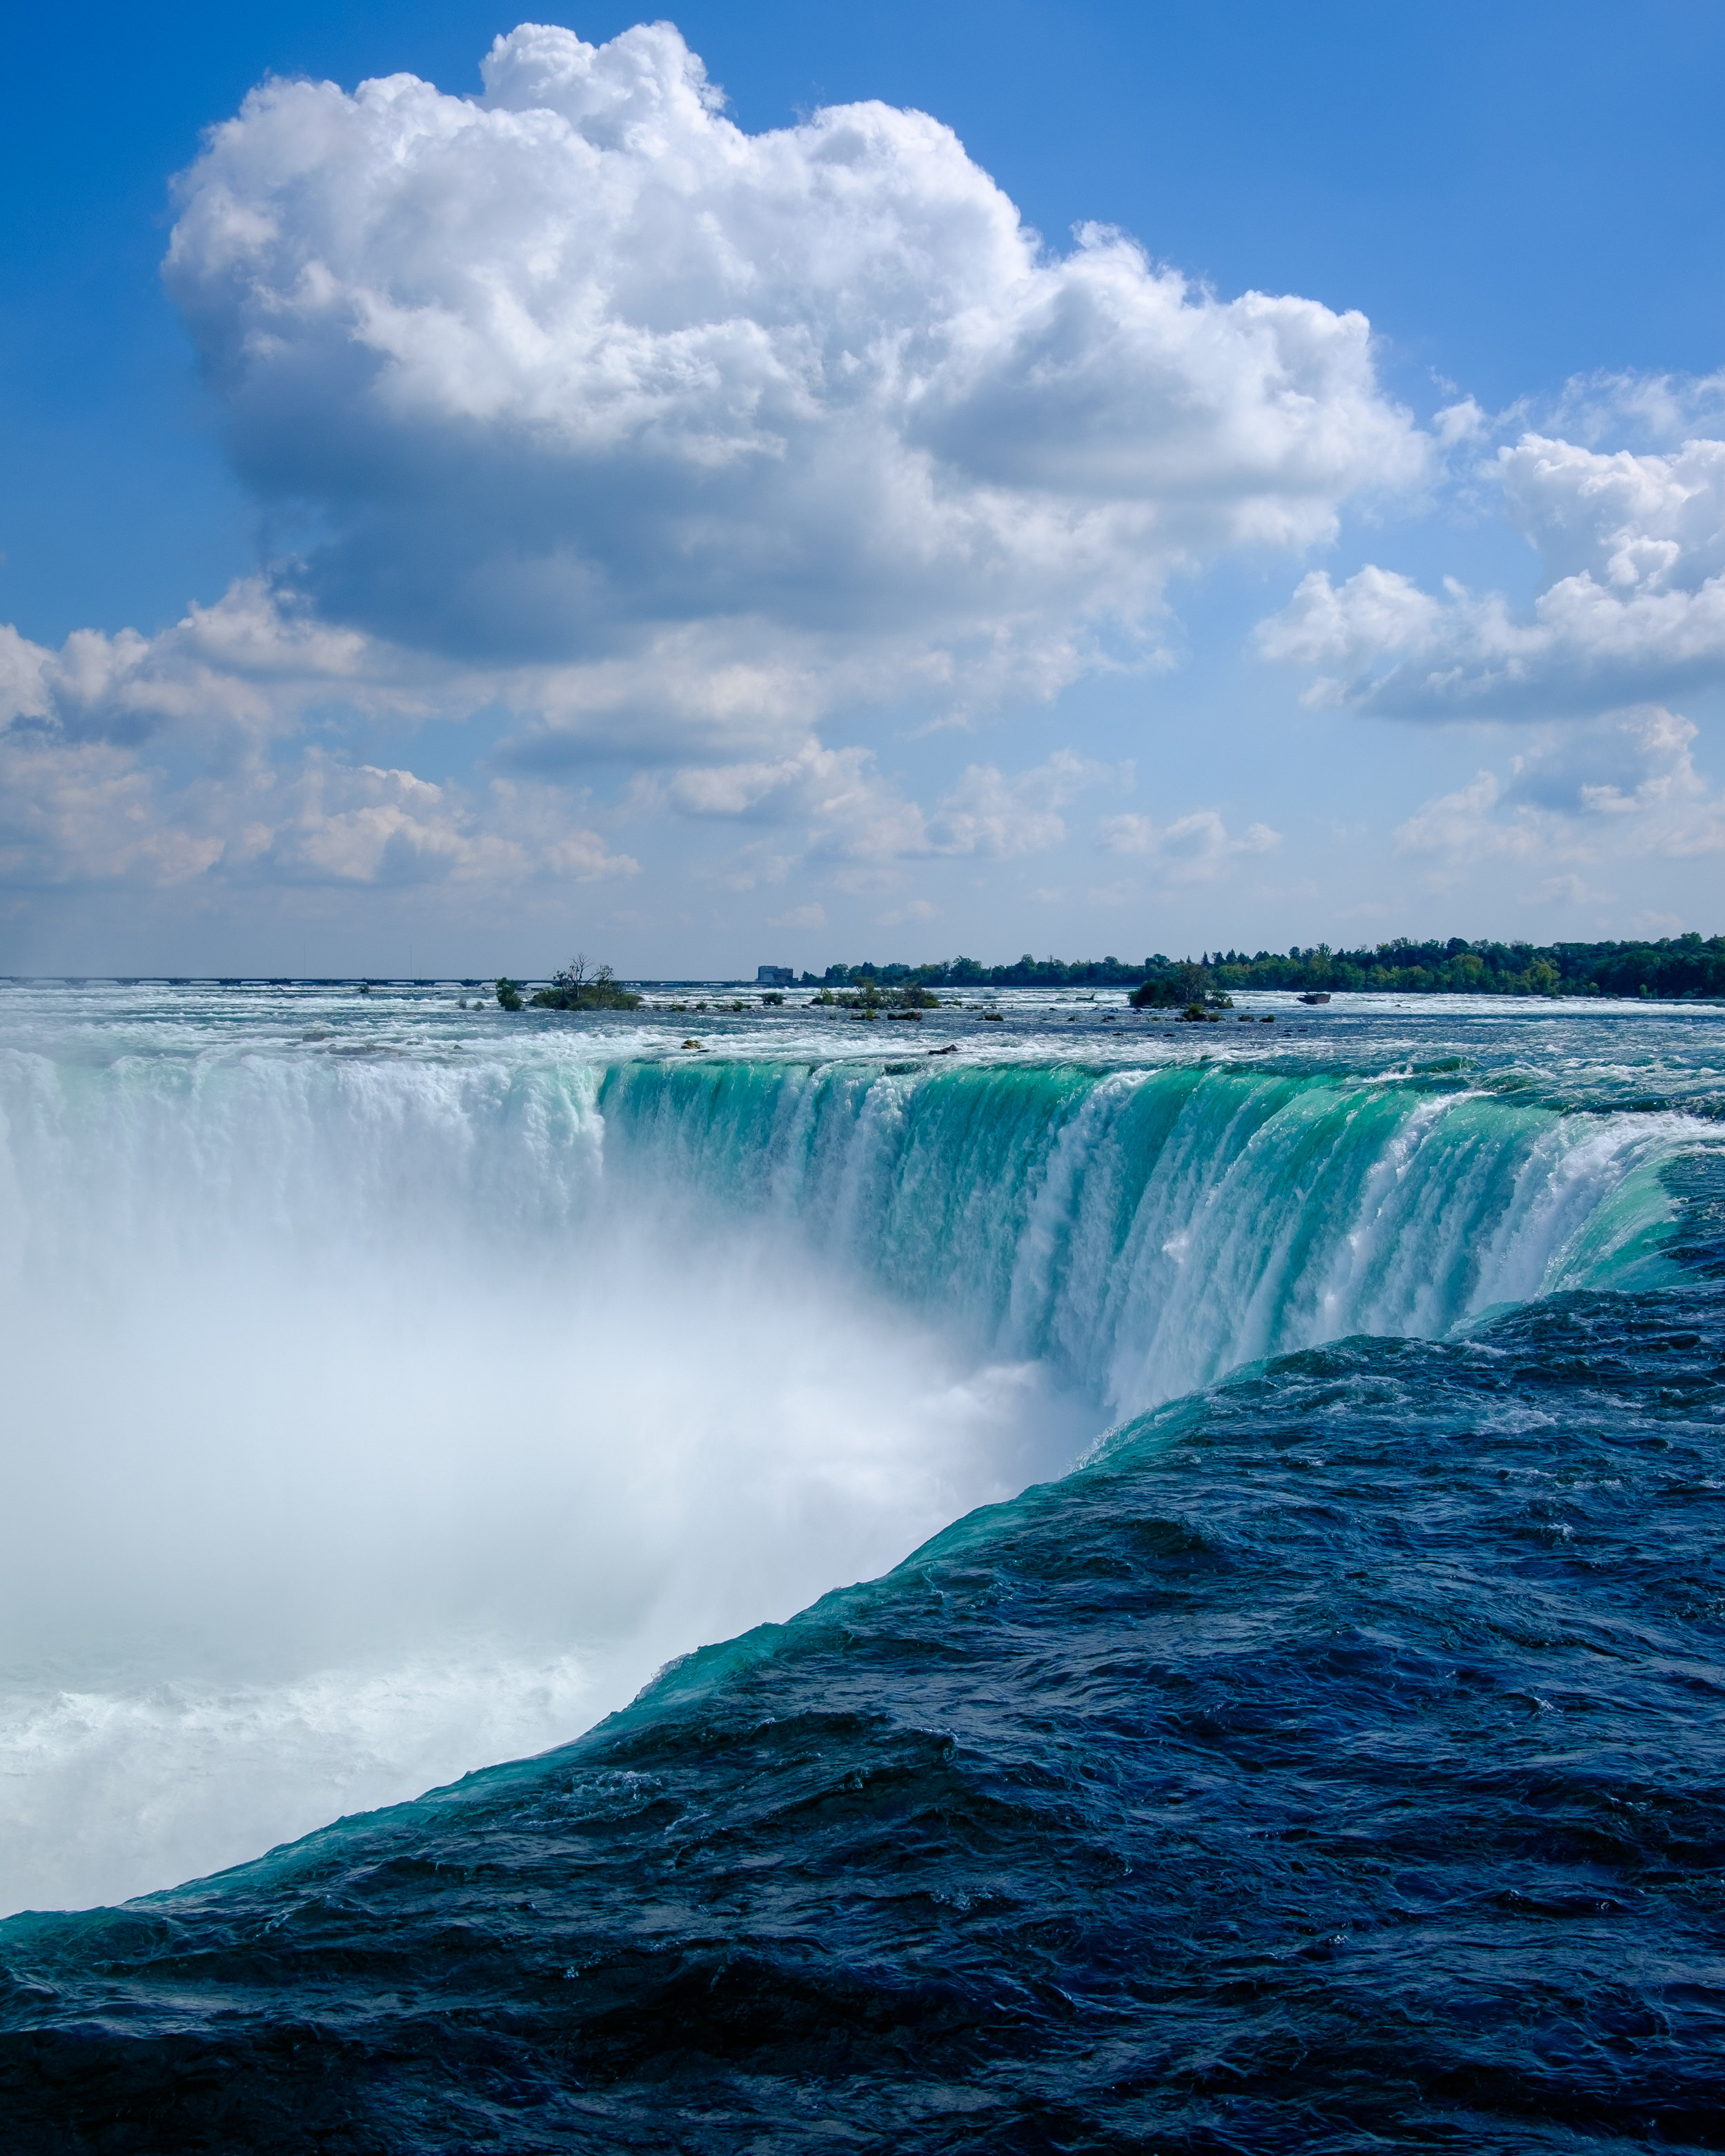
x: 1146, y: 1231
x: 1142, y: 1231
x: 379, y: 1406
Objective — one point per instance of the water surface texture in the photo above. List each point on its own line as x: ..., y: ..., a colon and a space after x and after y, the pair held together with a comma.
x: 1322, y: 1751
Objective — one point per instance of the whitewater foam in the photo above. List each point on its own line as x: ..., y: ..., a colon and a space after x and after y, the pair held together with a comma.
x: 391, y: 1389
x: 1145, y: 1231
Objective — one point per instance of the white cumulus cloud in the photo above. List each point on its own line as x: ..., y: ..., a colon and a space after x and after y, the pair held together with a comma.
x: 1624, y: 788
x: 577, y: 362
x: 162, y: 759
x: 834, y: 806
x: 1195, y: 849
x: 657, y: 443
x: 1633, y: 608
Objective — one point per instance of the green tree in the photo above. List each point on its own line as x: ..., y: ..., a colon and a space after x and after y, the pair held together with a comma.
x: 582, y: 986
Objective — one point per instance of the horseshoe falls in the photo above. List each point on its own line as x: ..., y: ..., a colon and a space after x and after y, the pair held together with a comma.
x: 1182, y: 1564
x: 1140, y: 1232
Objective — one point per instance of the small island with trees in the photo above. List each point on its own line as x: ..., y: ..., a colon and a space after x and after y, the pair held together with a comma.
x: 580, y: 986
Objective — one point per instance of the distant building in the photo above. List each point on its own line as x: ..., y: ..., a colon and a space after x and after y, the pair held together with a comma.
x: 775, y: 977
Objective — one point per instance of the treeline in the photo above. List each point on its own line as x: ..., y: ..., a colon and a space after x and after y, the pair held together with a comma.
x: 1674, y: 969
x: 970, y: 973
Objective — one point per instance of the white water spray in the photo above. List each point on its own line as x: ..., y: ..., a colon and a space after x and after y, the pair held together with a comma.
x: 378, y: 1410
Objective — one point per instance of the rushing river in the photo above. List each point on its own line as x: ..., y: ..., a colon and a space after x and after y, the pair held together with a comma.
x: 394, y: 1386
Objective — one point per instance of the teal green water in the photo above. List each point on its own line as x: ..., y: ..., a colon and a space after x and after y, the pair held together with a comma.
x: 393, y: 1385
x: 1321, y: 1755
x: 1145, y: 1230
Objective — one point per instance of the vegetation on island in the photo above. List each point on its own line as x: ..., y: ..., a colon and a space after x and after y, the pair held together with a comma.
x: 582, y: 986
x: 874, y: 998
x: 1186, y: 987
x: 1672, y: 968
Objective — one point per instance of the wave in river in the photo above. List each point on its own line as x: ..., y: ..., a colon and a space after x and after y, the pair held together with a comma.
x: 1333, y: 1765
x: 376, y: 1407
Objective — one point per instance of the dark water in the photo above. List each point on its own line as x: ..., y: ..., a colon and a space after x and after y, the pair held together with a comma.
x: 1338, y: 1764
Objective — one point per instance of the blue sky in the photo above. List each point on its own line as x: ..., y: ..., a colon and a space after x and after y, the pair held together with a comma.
x: 573, y: 511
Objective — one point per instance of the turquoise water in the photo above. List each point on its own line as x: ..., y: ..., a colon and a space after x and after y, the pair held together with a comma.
x: 395, y: 1384
x: 1295, y: 1728
x: 1144, y: 1230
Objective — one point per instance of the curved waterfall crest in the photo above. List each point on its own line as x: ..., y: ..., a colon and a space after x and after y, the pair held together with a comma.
x: 392, y: 1387
x: 1146, y: 1230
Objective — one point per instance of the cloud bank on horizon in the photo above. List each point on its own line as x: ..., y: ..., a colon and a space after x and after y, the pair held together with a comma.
x: 647, y: 446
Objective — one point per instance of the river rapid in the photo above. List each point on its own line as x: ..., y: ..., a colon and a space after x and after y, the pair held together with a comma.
x: 395, y: 1384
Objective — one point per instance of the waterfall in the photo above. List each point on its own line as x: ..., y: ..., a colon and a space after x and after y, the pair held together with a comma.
x: 377, y: 1406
